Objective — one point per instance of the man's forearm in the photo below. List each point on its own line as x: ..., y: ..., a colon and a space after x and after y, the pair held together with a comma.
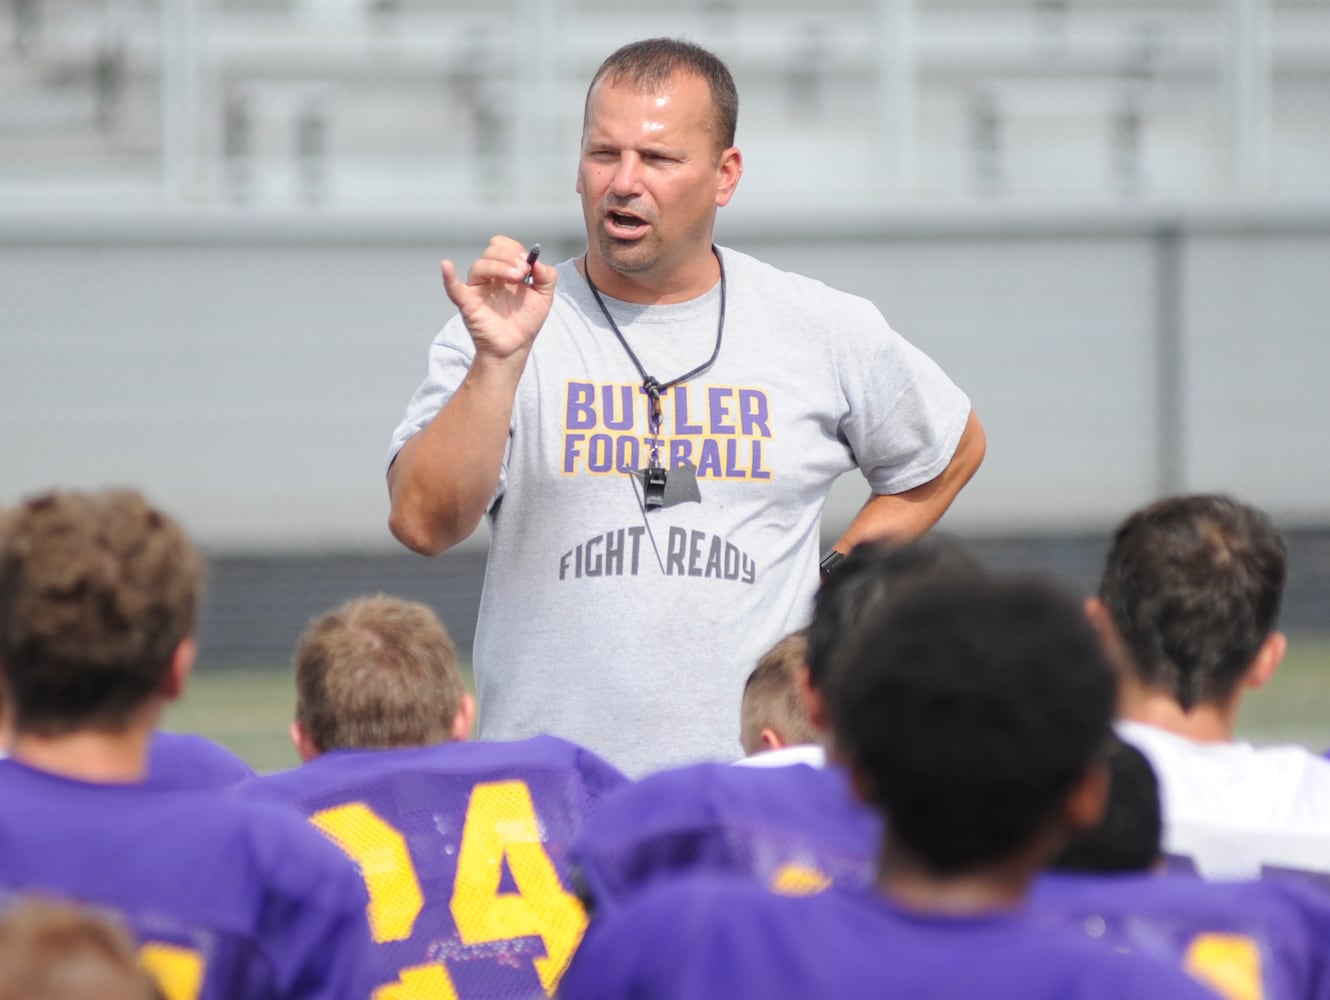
x: 443, y: 478
x: 901, y: 517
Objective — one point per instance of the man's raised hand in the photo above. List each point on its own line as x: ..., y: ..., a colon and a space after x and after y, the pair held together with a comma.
x: 501, y: 311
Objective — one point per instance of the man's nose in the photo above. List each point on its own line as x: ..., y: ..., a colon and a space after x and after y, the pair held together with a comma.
x: 627, y: 176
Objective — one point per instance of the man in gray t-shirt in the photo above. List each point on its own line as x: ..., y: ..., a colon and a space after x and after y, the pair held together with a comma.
x: 653, y: 429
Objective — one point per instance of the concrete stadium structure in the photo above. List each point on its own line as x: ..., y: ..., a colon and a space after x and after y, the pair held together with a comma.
x: 220, y: 227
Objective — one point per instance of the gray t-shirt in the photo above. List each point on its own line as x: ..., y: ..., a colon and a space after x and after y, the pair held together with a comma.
x: 631, y: 631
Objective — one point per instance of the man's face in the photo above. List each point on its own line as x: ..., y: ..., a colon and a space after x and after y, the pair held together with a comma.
x: 651, y: 178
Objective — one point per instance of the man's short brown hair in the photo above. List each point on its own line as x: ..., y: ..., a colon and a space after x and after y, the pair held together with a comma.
x: 377, y: 672
x: 97, y: 591
x: 1193, y: 585
x: 771, y: 698
x: 649, y: 64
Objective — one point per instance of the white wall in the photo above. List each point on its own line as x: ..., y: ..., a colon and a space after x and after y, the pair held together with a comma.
x: 1258, y: 361
x: 246, y: 371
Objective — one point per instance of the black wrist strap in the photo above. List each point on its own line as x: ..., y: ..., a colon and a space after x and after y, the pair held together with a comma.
x: 830, y: 563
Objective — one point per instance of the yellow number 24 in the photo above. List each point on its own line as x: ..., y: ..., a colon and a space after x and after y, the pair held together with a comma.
x: 500, y: 825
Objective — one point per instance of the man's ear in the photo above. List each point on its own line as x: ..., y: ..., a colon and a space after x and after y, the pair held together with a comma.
x: 1087, y: 802
x: 1114, y: 648
x: 770, y: 739
x: 1267, y: 660
x: 305, y: 748
x: 1100, y: 619
x: 465, y: 719
x: 728, y: 171
x: 177, y: 674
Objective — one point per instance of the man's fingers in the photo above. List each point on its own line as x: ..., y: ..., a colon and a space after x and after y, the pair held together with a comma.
x: 509, y: 256
x: 506, y: 267
x: 452, y: 284
x: 502, y: 266
x: 543, y: 277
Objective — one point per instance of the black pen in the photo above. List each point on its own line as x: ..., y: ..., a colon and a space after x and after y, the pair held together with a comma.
x: 530, y: 279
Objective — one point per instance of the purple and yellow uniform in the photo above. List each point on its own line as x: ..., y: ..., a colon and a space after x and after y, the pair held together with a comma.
x: 227, y: 899
x: 796, y: 829
x: 714, y: 938
x: 185, y: 760
x: 1246, y: 940
x: 463, y: 847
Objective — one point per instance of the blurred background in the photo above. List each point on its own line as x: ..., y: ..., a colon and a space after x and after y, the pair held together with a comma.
x: 221, y: 223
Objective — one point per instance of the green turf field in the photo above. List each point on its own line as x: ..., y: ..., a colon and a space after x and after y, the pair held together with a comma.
x: 1295, y: 706
x: 246, y: 710
x: 249, y: 710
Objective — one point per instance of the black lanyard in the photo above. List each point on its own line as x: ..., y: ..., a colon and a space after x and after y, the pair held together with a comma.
x: 650, y: 385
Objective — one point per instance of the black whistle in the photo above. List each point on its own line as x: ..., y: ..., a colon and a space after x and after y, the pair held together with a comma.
x: 654, y: 488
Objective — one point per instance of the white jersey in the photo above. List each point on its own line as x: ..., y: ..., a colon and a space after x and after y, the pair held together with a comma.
x: 1234, y: 808
x: 812, y: 754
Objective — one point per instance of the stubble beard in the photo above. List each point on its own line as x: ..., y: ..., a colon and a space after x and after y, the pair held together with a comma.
x: 627, y: 257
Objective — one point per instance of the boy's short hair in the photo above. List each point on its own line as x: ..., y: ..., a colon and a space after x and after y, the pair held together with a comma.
x: 374, y: 673
x: 771, y: 698
x: 1128, y: 838
x: 972, y: 708
x: 1193, y: 586
x: 97, y: 591
x: 52, y: 950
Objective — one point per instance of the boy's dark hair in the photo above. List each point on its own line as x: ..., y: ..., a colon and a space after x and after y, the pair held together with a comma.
x: 1193, y: 586
x: 649, y: 64
x: 972, y: 708
x: 1129, y: 836
x: 97, y: 590
x: 857, y: 593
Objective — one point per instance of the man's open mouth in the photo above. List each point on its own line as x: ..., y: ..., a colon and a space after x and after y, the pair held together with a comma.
x: 622, y: 220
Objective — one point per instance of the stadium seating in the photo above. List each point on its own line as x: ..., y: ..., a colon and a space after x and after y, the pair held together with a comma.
x: 372, y: 102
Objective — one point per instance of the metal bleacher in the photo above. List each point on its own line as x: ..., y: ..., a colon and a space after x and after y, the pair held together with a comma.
x: 388, y: 103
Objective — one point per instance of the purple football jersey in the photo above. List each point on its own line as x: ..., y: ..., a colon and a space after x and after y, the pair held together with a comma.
x: 724, y: 938
x: 1260, y: 939
x: 463, y: 847
x: 796, y: 829
x: 185, y: 760
x: 227, y: 899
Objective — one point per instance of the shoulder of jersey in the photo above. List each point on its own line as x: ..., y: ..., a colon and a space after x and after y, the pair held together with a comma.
x: 476, y: 760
